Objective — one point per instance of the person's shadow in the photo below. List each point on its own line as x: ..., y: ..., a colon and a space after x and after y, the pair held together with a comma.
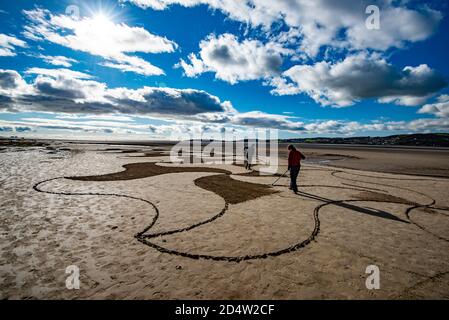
x: 369, y: 211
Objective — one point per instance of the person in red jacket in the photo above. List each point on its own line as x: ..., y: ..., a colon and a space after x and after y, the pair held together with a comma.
x: 294, y: 165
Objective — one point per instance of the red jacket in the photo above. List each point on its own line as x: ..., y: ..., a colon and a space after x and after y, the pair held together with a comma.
x: 294, y: 158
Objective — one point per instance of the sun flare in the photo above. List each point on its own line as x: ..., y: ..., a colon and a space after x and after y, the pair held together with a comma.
x: 101, y: 21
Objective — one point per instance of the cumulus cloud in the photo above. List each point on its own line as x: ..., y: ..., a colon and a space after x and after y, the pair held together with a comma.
x: 264, y: 120
x: 311, y: 25
x: 8, y: 45
x: 58, y: 90
x: 398, y: 25
x: 86, y: 105
x: 440, y: 108
x: 92, y: 101
x: 358, y: 77
x: 326, y: 22
x: 10, y: 79
x: 101, y: 37
x: 166, y: 101
x: 234, y: 61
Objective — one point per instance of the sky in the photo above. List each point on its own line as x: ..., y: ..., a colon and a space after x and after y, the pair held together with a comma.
x: 169, y: 69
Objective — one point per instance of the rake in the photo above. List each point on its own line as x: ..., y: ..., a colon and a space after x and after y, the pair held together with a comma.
x: 279, y: 177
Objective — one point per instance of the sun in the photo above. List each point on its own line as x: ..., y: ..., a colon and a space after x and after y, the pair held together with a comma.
x: 102, y: 17
x: 101, y: 21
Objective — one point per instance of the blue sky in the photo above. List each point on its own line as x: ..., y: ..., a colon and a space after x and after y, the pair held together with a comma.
x: 154, y: 69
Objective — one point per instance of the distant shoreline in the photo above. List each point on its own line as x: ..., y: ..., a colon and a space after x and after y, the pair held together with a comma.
x: 410, y: 160
x: 411, y: 142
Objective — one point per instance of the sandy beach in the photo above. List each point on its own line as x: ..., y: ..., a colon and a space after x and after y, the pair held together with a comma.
x: 421, y: 161
x: 141, y: 227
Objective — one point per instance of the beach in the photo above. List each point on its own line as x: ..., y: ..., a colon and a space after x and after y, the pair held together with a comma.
x: 421, y: 161
x: 141, y: 227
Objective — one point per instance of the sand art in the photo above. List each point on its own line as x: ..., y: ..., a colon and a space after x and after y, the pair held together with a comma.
x: 340, y: 219
x: 235, y: 191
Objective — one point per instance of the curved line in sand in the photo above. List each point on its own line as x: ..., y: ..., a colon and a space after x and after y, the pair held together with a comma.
x: 144, y: 238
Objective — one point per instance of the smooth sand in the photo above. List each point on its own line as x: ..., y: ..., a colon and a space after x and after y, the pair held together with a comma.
x: 419, y: 161
x: 178, y: 234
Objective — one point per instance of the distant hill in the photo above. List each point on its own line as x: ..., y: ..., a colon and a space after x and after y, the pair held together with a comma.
x: 424, y: 140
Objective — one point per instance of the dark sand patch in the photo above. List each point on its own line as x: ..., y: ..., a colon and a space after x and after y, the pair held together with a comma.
x: 130, y: 151
x: 122, y: 151
x: 151, y: 154
x: 233, y: 191
x: 337, y: 155
x: 144, y: 170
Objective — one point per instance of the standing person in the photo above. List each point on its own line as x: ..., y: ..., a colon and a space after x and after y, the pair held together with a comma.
x: 294, y: 165
x: 251, y: 151
x: 245, y: 156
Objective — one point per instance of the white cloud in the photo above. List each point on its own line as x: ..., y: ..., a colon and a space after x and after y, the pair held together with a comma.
x: 310, y: 27
x: 66, y: 73
x: 115, y: 42
x: 57, y: 60
x: 85, y: 105
x: 339, y: 127
x: 33, y: 124
x: 185, y: 129
x: 59, y: 91
x: 12, y: 85
x: 234, y: 61
x: 8, y: 45
x: 398, y: 24
x: 66, y: 91
x: 325, y: 22
x: 358, y: 77
x: 111, y: 117
x: 10, y: 80
x: 440, y: 108
x: 137, y: 65
x: 195, y: 67
x: 264, y: 120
